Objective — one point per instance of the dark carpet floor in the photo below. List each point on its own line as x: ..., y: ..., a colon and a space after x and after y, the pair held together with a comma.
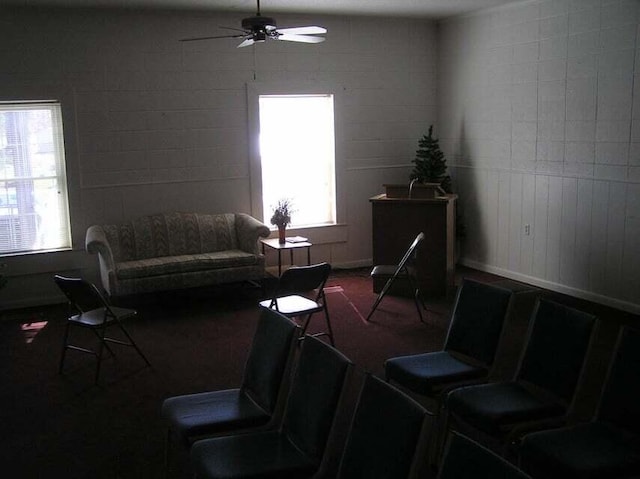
x: 64, y: 426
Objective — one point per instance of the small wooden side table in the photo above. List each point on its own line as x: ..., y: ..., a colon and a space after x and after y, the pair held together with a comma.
x: 275, y: 244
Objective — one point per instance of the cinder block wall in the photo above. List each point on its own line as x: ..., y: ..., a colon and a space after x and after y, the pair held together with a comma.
x: 153, y: 124
x: 539, y: 115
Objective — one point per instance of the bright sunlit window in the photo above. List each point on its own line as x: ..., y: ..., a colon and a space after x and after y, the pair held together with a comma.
x: 297, y: 151
x: 34, y: 213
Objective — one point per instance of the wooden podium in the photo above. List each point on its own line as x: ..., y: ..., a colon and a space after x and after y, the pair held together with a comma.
x: 397, y: 219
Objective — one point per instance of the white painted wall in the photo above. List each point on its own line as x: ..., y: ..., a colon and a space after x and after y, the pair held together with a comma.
x: 153, y: 124
x: 539, y: 116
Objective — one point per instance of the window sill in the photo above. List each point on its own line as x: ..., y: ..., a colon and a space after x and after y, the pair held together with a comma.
x: 322, y: 234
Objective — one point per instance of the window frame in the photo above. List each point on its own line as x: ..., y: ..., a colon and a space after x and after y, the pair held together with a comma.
x: 61, y: 175
x: 318, y: 233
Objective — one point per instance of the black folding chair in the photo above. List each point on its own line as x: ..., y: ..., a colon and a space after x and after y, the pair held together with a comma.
x: 300, y: 294
x: 89, y: 309
x: 402, y: 270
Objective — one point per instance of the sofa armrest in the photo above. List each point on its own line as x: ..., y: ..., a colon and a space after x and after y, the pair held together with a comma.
x: 248, y: 231
x: 96, y: 242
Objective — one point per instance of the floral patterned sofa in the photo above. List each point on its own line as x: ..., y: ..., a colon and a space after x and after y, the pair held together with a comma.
x: 177, y: 250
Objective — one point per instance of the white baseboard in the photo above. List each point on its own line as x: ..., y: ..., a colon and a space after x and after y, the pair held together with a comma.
x: 557, y: 287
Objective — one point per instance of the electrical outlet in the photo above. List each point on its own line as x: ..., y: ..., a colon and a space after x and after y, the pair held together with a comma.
x: 527, y: 229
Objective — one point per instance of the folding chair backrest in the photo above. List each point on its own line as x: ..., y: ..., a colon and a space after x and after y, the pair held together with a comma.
x: 620, y: 402
x: 410, y: 252
x: 303, y: 278
x: 314, y: 396
x: 271, y: 351
x: 556, y: 347
x: 477, y: 320
x: 81, y: 294
x: 385, y: 433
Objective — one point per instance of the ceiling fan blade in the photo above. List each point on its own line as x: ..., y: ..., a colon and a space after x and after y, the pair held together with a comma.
x: 247, y: 42
x: 210, y: 38
x: 246, y: 32
x: 310, y: 30
x: 299, y: 38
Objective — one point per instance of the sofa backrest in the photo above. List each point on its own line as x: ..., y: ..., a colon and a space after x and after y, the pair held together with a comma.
x: 171, y: 234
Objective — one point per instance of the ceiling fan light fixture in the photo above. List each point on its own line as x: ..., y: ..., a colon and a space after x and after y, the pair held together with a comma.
x: 259, y: 37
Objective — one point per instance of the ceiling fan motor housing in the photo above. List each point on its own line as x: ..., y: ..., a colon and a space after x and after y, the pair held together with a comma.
x: 259, y: 24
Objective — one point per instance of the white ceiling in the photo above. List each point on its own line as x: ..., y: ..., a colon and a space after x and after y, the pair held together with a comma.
x: 419, y: 8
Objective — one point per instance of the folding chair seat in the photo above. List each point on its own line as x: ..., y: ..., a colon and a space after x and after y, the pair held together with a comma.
x: 390, y: 445
x: 297, y: 448
x: 90, y: 310
x: 257, y: 403
x: 543, y: 389
x: 608, y: 447
x: 404, y: 270
x: 300, y: 294
x: 466, y: 459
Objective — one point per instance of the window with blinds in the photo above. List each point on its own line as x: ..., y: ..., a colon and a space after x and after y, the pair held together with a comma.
x: 34, y: 211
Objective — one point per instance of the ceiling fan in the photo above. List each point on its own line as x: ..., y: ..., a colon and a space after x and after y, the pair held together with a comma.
x: 258, y: 29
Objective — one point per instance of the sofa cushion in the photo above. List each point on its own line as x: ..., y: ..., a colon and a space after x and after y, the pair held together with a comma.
x: 172, y: 234
x: 184, y: 264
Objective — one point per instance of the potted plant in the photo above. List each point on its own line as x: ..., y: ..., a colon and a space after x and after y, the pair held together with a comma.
x: 430, y: 165
x: 282, y: 217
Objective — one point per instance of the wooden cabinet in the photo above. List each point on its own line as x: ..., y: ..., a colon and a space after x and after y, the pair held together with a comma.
x: 397, y: 221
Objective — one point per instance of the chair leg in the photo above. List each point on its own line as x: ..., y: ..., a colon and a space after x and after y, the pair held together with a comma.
x: 133, y: 343
x: 106, y: 345
x: 64, y: 347
x: 386, y: 287
x: 103, y: 331
x: 167, y: 452
x: 416, y: 298
x: 329, y: 328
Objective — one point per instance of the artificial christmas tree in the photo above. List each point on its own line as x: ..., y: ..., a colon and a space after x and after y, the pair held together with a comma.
x: 430, y: 164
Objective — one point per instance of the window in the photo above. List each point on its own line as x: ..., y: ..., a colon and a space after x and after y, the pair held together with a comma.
x: 297, y: 155
x: 34, y: 213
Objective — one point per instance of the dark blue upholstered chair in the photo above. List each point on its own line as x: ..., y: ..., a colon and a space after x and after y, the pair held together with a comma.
x: 466, y: 459
x: 469, y: 350
x: 388, y: 433
x: 543, y: 389
x: 255, y: 403
x: 470, y: 346
x: 296, y: 449
x: 608, y: 447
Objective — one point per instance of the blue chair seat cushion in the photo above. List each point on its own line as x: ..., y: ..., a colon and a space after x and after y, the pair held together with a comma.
x: 589, y: 450
x: 495, y: 407
x: 425, y: 373
x: 264, y: 455
x: 200, y: 414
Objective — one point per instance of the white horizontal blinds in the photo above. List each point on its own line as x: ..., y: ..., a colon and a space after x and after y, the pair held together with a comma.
x: 297, y: 154
x: 34, y: 213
